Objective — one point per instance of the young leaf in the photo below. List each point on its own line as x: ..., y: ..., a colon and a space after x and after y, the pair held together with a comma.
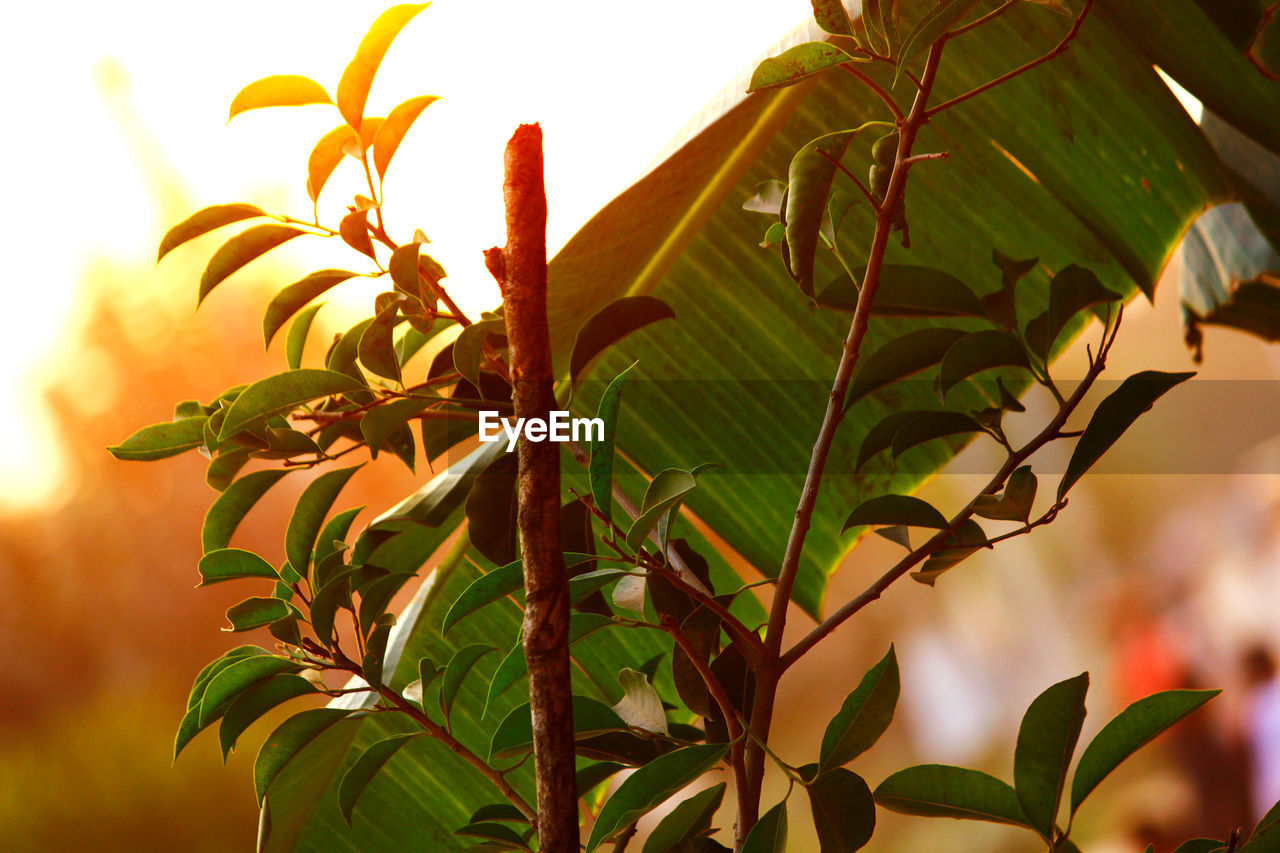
x: 203, y: 221
x: 309, y: 513
x: 377, y: 347
x: 231, y: 506
x: 844, y: 812
x: 1130, y: 730
x: 455, y: 671
x: 669, y: 486
x: 256, y: 613
x: 809, y: 183
x: 289, y: 738
x: 688, y: 821
x: 468, y: 349
x: 361, y: 773
x: 325, y: 157
x: 769, y: 835
x: 393, y: 129
x: 900, y: 358
x: 611, y: 324
x: 160, y: 441
x: 1114, y: 415
x: 864, y: 716
x: 246, y: 246
x: 600, y: 468
x: 650, y: 786
x: 292, y: 298
x: 256, y: 701
x: 796, y: 63
x: 353, y: 88
x: 640, y: 706
x: 1016, y: 502
x: 1071, y: 291
x: 940, y: 790
x: 1046, y: 740
x: 354, y: 231
x: 282, y: 393
x: 832, y: 17
x: 897, y: 510
x: 278, y: 90
x: 515, y: 733
x: 977, y: 352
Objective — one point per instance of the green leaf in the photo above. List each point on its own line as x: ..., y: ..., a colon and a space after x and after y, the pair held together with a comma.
x: 296, y: 340
x: 689, y: 820
x: 514, y: 667
x: 491, y: 510
x: 455, y: 671
x: 309, y: 513
x: 281, y: 394
x: 669, y: 486
x: 600, y: 468
x: 278, y: 90
x: 844, y: 812
x: 203, y: 221
x: 230, y: 563
x: 769, y: 835
x: 287, y: 741
x: 160, y: 441
x: 250, y: 705
x: 515, y: 733
x: 864, y: 716
x: 1114, y: 415
x: 190, y: 725
x: 377, y: 344
x: 468, y: 349
x: 375, y: 597
x: 809, y: 183
x: 291, y: 299
x: 908, y: 290
x: 1130, y: 730
x: 900, y: 358
x: 832, y: 17
x: 895, y: 510
x: 796, y: 63
x: 361, y: 773
x: 1046, y: 740
x: 403, y: 267
x: 374, y: 660
x: 940, y: 790
x: 611, y: 324
x: 393, y: 129
x: 234, y: 679
x: 977, y: 352
x: 236, y: 500
x: 334, y: 594
x: 499, y: 837
x: 929, y: 426
x: 246, y: 246
x: 650, y: 786
x: 353, y: 88
x: 381, y: 421
x: 1071, y: 291
x: 1201, y: 845
x: 256, y: 613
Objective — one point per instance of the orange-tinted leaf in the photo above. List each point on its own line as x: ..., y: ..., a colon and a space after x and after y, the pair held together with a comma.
x: 279, y: 90
x: 203, y: 221
x: 369, y: 131
x: 240, y: 250
x: 288, y: 301
x: 394, y: 128
x: 353, y: 88
x: 325, y: 157
x: 354, y: 229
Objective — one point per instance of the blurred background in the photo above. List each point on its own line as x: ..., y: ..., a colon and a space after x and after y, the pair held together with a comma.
x: 1162, y: 573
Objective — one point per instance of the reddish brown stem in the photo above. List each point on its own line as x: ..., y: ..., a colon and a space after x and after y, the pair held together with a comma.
x: 546, y: 614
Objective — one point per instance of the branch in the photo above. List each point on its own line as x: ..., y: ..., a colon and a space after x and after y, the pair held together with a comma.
x: 546, y: 615
x: 1004, y: 78
x: 1050, y: 433
x: 880, y: 93
x: 990, y: 16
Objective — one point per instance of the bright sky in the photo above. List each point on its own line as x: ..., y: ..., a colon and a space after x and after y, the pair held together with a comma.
x: 609, y: 82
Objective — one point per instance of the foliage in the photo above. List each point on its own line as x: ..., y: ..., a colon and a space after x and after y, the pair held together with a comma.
x: 677, y: 662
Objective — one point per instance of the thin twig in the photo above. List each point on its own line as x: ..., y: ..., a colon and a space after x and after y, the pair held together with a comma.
x: 880, y: 93
x: 990, y: 16
x: 875, y: 205
x: 1022, y: 69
